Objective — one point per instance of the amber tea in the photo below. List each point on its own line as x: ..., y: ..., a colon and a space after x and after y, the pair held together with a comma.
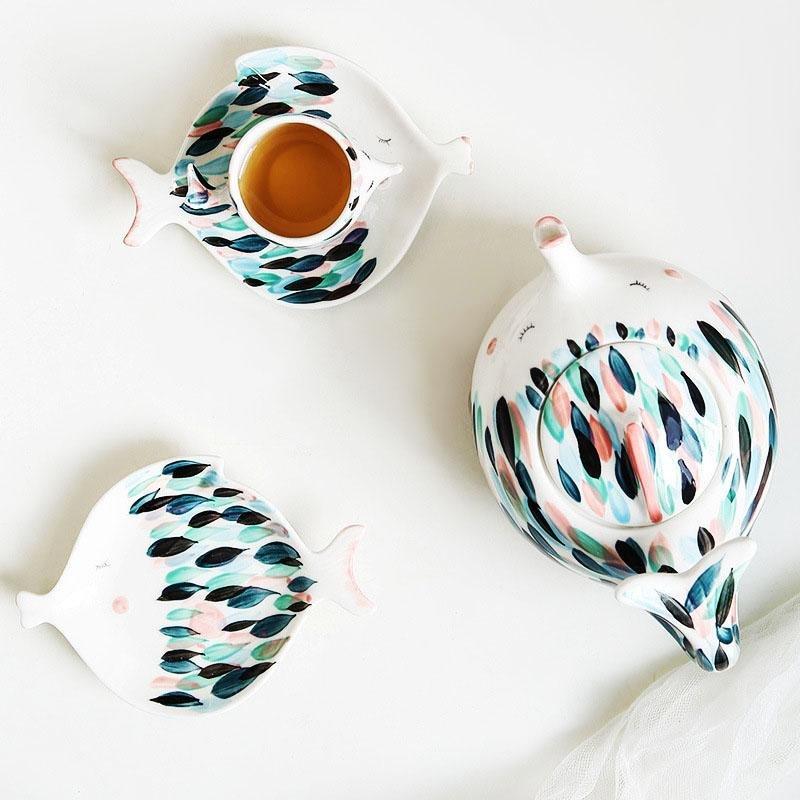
x: 295, y: 181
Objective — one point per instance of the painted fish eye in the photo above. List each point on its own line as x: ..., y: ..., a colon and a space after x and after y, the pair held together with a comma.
x: 639, y: 283
x: 529, y: 327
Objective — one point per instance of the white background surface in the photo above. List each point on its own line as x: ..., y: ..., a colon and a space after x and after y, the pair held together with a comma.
x: 667, y: 129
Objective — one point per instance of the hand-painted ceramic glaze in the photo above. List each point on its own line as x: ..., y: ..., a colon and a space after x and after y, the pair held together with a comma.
x: 292, y: 81
x: 625, y: 421
x: 184, y: 587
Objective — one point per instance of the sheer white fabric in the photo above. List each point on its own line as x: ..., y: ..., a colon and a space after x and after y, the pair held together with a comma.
x: 730, y: 735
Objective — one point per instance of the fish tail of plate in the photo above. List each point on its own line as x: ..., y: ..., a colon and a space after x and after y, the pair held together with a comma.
x: 156, y: 206
x: 335, y: 568
x: 34, y: 609
x: 455, y: 156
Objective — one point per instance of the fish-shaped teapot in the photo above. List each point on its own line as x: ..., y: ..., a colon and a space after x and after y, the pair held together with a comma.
x: 624, y: 418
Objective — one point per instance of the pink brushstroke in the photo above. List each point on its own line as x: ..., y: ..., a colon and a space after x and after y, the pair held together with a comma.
x: 640, y: 459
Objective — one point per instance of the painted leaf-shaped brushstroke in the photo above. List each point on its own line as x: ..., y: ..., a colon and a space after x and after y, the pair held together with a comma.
x: 253, y: 94
x: 761, y: 488
x: 631, y: 553
x: 568, y: 483
x: 203, y: 518
x: 224, y: 491
x: 721, y: 345
x: 238, y: 625
x: 688, y: 486
x: 590, y: 390
x: 183, y: 469
x: 541, y: 520
x: 542, y: 543
x: 725, y: 600
x: 208, y: 141
x: 591, y: 341
x: 169, y: 546
x: 272, y: 109
x: 623, y: 472
x: 183, y: 503
x: 218, y: 557
x: 145, y: 503
x: 238, y: 679
x: 586, y: 449
x: 677, y: 610
x: 505, y: 429
x: 216, y: 670
x: 702, y: 660
x: 179, y: 667
x: 268, y: 650
x: 621, y: 370
x: 250, y: 596
x: 671, y: 420
x: 725, y: 635
x: 317, y: 89
x: 670, y: 336
x: 695, y: 394
x: 745, y: 445
x: 179, y: 591
x: 574, y: 348
x: 178, y: 631
x: 701, y: 587
x: 705, y: 541
x: 176, y: 700
x: 278, y: 553
x: 224, y: 593
x: 179, y: 655
x: 269, y: 626
x: 534, y: 398
x: 487, y: 440
x: 524, y: 480
x: 589, y: 562
x: 301, y: 584
x: 540, y: 380
x: 721, y: 659
x: 622, y: 331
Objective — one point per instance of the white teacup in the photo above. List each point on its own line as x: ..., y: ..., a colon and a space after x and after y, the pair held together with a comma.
x: 366, y: 174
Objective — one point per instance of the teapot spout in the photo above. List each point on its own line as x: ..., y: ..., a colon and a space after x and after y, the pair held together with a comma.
x: 698, y: 607
x: 569, y: 266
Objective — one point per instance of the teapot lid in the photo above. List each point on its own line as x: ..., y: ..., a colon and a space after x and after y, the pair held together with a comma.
x: 629, y: 433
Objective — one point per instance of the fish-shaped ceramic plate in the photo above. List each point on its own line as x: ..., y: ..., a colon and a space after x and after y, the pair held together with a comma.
x: 184, y: 587
x: 291, y: 80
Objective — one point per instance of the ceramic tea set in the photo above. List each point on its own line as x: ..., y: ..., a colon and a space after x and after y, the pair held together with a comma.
x: 622, y: 413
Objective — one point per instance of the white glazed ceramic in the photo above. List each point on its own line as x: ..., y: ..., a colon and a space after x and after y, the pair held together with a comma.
x: 366, y: 174
x: 285, y: 82
x: 184, y: 587
x: 625, y: 422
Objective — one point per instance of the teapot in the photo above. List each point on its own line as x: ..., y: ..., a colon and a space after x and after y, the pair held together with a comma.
x: 625, y: 421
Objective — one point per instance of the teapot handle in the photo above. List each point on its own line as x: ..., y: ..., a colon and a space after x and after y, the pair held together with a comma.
x: 698, y: 607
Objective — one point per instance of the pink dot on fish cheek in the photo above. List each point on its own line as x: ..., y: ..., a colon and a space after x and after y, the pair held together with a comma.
x: 672, y: 273
x: 120, y: 605
x: 491, y: 346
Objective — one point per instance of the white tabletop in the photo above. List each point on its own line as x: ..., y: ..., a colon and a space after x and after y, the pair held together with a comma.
x: 666, y: 129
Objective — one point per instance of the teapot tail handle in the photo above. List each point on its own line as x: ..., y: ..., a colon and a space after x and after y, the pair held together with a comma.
x: 698, y: 607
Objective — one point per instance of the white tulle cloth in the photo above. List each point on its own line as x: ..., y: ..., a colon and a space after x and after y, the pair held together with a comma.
x: 692, y: 734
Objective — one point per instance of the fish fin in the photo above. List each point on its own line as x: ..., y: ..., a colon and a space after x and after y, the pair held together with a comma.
x: 706, y: 593
x: 155, y: 205
x: 335, y: 570
x: 34, y: 609
x: 456, y: 156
